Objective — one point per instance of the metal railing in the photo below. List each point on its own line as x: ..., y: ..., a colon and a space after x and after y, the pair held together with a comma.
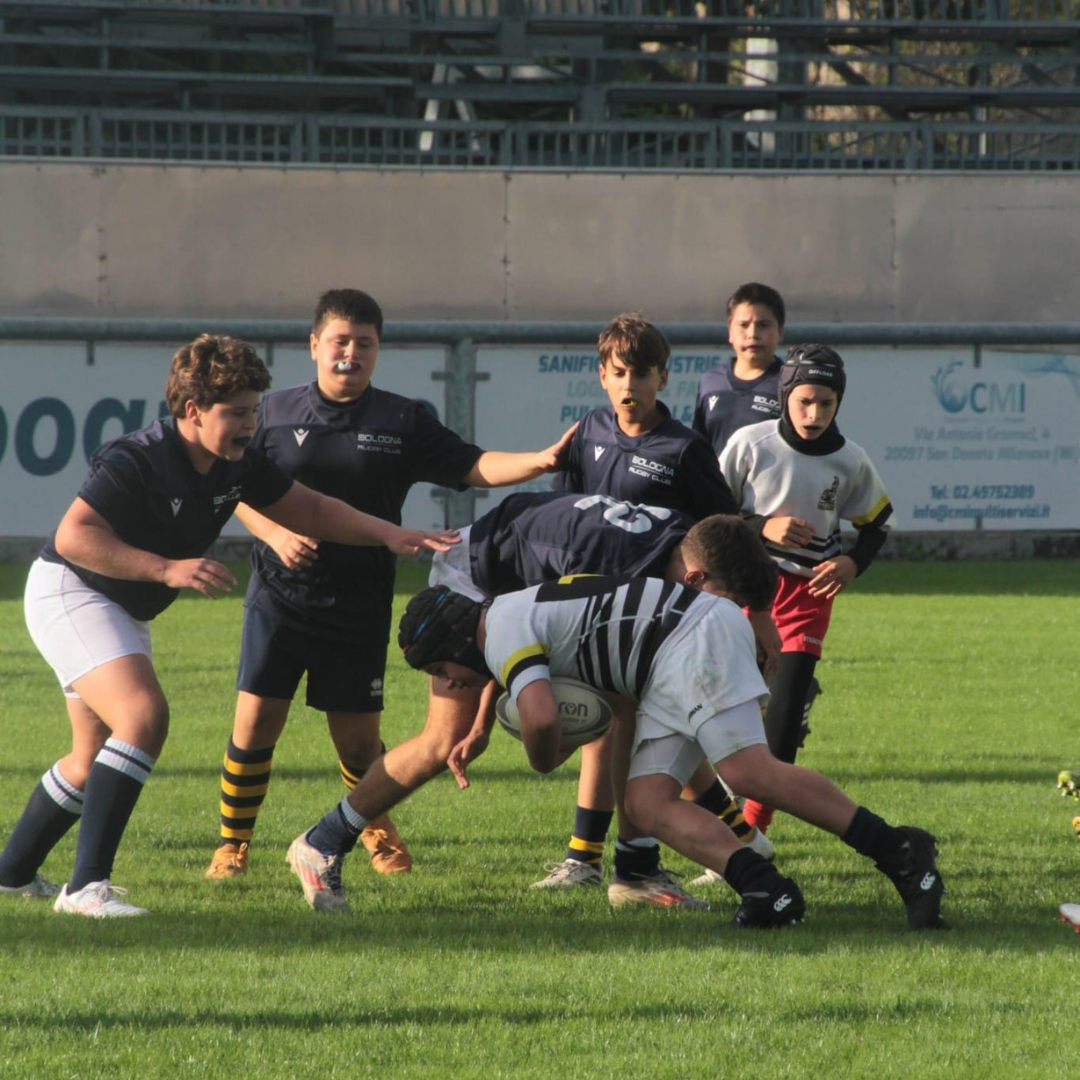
x: 298, y: 139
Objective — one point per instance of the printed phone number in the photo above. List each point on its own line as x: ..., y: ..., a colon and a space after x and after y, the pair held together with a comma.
x: 992, y: 491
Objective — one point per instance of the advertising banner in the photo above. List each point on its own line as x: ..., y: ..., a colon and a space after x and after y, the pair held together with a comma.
x: 56, y: 408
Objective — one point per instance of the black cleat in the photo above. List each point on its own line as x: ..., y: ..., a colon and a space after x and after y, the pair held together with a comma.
x: 917, y: 879
x: 783, y: 906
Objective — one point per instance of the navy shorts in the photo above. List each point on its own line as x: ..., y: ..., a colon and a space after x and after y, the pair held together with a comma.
x: 341, y: 676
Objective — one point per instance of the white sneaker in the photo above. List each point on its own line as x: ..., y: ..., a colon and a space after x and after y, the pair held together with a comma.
x: 569, y: 872
x: 1070, y: 913
x: 660, y: 890
x: 758, y: 842
x: 320, y: 876
x: 98, y: 900
x: 38, y: 889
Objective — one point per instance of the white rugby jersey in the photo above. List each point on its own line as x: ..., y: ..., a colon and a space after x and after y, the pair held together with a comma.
x: 769, y: 477
x: 623, y: 635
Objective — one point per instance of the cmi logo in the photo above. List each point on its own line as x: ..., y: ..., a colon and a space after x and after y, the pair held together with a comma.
x: 957, y: 395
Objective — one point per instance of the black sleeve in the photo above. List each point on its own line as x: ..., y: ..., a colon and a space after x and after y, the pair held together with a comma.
x: 569, y: 478
x: 868, y: 543
x: 698, y: 423
x: 702, y: 485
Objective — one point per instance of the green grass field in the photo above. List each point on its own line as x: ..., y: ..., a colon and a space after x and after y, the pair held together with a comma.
x: 951, y: 700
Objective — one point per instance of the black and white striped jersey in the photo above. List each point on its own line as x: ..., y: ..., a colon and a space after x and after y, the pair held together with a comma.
x: 605, y: 631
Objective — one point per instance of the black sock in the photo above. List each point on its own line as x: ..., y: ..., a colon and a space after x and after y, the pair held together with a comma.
x: 53, y: 807
x: 748, y: 872
x: 633, y: 862
x: 112, y: 789
x: 872, y: 836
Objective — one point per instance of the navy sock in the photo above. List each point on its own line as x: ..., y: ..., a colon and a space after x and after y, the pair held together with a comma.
x: 53, y: 807
x: 112, y: 789
x: 590, y: 832
x: 338, y: 831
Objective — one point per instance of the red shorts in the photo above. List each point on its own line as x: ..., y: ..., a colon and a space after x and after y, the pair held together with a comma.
x: 802, y: 619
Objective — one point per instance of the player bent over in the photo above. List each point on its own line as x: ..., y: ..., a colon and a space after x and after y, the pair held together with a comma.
x: 687, y: 659
x: 153, y: 502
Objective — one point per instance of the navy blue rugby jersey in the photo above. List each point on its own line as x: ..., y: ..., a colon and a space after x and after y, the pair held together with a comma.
x: 669, y: 466
x: 146, y: 487
x: 531, y: 537
x: 368, y: 453
x: 726, y: 403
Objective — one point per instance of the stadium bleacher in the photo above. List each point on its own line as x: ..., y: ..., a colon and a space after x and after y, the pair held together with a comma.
x: 584, y: 84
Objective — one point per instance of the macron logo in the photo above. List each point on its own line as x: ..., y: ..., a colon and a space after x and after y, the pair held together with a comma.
x: 782, y: 903
x: 927, y: 882
x: 598, y: 452
x: 713, y: 399
x: 300, y: 434
x: 176, y: 504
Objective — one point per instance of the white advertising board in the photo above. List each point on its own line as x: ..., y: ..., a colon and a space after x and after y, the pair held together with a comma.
x: 960, y: 444
x: 56, y: 409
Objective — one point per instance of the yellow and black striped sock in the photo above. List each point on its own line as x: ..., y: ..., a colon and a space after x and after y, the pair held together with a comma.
x: 245, y: 776
x: 718, y: 801
x: 590, y: 832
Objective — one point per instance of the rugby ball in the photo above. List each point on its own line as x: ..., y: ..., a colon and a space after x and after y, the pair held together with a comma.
x: 584, y: 713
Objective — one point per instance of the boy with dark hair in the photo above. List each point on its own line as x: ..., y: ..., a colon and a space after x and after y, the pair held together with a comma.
x: 685, y: 661
x: 742, y: 390
x: 153, y: 502
x: 634, y: 450
x: 323, y: 609
x: 796, y: 478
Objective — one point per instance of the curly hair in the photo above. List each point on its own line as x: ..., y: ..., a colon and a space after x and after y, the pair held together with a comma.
x: 638, y: 343
x: 732, y: 554
x: 211, y: 370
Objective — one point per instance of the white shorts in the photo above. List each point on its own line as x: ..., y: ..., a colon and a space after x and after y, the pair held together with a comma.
x: 75, y: 627
x: 453, y: 569
x: 717, y: 738
x: 706, y: 667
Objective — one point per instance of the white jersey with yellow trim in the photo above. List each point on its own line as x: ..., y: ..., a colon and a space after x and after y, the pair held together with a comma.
x: 683, y: 655
x: 771, y: 478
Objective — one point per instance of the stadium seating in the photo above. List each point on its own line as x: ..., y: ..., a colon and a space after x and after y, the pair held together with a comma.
x: 713, y: 84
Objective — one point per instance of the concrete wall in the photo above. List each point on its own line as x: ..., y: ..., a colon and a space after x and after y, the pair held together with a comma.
x: 131, y: 240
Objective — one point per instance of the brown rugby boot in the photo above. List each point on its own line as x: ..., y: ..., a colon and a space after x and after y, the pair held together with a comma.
x: 229, y: 861
x: 388, y: 852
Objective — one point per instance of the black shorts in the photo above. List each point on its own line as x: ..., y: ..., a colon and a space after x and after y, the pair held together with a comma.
x: 342, y: 676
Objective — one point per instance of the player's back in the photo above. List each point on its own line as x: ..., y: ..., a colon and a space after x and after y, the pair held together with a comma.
x: 534, y: 537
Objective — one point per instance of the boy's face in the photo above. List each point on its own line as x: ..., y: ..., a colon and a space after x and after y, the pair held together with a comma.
x: 755, y: 335
x: 225, y: 429
x: 811, y: 409
x: 345, y: 354
x: 631, y: 391
x: 455, y: 676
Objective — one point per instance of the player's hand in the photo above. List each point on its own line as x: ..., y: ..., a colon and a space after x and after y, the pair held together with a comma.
x: 205, y: 575
x: 465, y: 753
x: 1067, y: 784
x: 832, y: 575
x: 410, y: 542
x: 295, y: 551
x: 790, y: 532
x: 767, y: 641
x: 551, y: 459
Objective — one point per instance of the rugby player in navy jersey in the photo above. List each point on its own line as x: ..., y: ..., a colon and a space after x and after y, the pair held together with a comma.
x: 325, y: 609
x: 151, y: 505
x: 743, y: 390
x: 684, y: 661
x: 633, y: 449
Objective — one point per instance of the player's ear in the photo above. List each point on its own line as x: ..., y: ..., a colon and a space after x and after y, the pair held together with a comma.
x: 314, y: 347
x: 664, y: 378
x: 191, y: 412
